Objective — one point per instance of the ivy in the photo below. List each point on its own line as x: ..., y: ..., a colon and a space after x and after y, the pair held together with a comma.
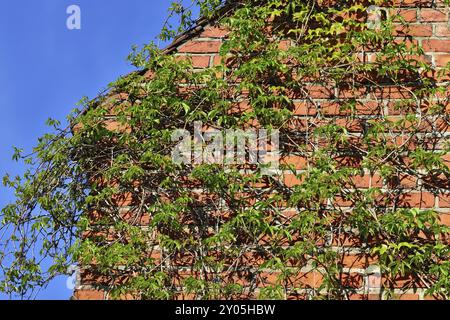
x: 104, y: 193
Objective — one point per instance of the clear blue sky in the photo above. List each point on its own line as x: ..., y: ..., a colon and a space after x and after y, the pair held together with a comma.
x: 46, y: 68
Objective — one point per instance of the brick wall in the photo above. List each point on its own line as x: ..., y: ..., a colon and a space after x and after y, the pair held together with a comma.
x: 430, y: 27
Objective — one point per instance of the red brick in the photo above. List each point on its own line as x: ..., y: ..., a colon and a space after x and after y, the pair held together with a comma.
x: 441, y: 60
x: 417, y: 30
x: 408, y: 297
x: 400, y: 282
x: 446, y: 158
x: 298, y: 162
x: 122, y: 200
x: 417, y: 200
x: 442, y: 30
x: 200, y: 61
x: 89, y: 295
x: 352, y: 280
x: 345, y: 93
x: 116, y: 126
x: 332, y: 109
x: 320, y: 92
x: 425, y: 58
x: 435, y: 45
x: 217, y: 60
x: 240, y: 107
x: 369, y: 108
x: 310, y: 279
x: 432, y: 15
x: 367, y: 181
x: 200, y: 47
x: 349, y: 124
x: 357, y: 261
x: 291, y: 180
x: 445, y: 219
x: 284, y: 44
x: 214, y: 32
x: 392, y: 92
x: 297, y: 296
x: 444, y: 201
x: 197, y: 61
x: 304, y: 109
x: 341, y: 202
x: 408, y: 42
x: 409, y: 15
x: 405, y: 181
x: 135, y: 217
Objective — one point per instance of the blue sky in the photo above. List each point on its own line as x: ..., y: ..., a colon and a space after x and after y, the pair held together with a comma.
x: 45, y: 69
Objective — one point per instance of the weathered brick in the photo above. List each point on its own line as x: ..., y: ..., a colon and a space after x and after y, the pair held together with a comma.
x: 320, y: 92
x: 198, y: 61
x: 408, y: 15
x: 441, y: 60
x: 416, y: 30
x: 298, y: 162
x: 88, y: 295
x: 201, y: 61
x: 284, y: 44
x: 436, y: 45
x: 350, y: 124
x: 367, y: 181
x: 214, y: 32
x: 352, y: 280
x: 408, y: 297
x: 200, y: 47
x: 442, y: 30
x: 445, y: 219
x: 417, y: 200
x: 444, y: 200
x: 291, y: 180
x: 433, y: 15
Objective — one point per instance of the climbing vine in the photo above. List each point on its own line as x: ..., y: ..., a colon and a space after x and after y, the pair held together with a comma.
x: 105, y: 194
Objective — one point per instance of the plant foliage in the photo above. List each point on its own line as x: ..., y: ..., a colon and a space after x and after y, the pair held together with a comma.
x: 234, y: 235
